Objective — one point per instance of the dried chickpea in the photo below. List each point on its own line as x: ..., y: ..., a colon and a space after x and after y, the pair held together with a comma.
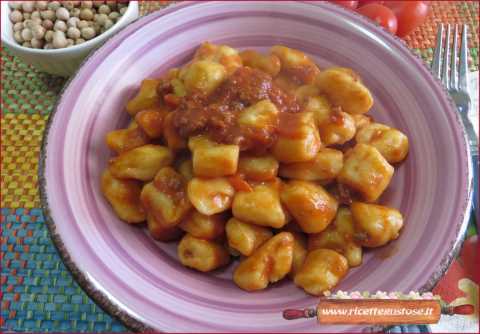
x: 244, y: 237
x: 268, y: 264
x: 260, y: 206
x: 365, y: 170
x: 141, y: 163
x: 269, y: 64
x: 321, y: 271
x: 339, y: 236
x: 202, y: 226
x: 324, y: 167
x: 258, y: 168
x: 124, y: 197
x: 202, y: 255
x: 375, y: 225
x: 210, y: 196
x: 344, y: 88
x: 390, y: 142
x: 310, y: 204
x: 165, y: 198
x: 159, y: 232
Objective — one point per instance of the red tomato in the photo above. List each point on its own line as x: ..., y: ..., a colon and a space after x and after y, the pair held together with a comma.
x: 381, y: 14
x: 347, y: 4
x: 366, y: 2
x: 410, y: 14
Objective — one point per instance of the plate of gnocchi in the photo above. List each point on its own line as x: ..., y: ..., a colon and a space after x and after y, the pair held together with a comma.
x: 216, y: 163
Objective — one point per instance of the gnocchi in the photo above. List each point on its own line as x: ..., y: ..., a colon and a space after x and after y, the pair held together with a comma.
x: 141, y: 163
x: 124, y: 196
x: 260, y: 158
x: 268, y: 264
x: 366, y: 171
x: 261, y: 206
x: 210, y: 196
x: 204, y: 227
x: 321, y: 271
x: 310, y: 204
x: 202, y: 255
x: 344, y: 88
x: 339, y: 236
x: 391, y: 143
x: 375, y: 225
x: 324, y: 167
x: 244, y: 237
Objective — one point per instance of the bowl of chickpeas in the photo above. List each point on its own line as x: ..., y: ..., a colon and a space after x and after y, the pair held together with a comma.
x: 222, y: 171
x: 56, y: 36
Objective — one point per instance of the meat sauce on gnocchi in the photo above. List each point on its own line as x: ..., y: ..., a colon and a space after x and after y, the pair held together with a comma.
x: 263, y: 157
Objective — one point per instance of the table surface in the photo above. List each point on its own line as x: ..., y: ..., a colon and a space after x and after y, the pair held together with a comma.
x: 38, y: 292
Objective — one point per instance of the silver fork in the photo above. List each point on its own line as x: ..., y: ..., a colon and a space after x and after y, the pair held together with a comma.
x: 455, y: 79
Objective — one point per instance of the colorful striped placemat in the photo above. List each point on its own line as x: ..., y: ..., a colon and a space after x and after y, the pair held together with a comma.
x: 37, y: 291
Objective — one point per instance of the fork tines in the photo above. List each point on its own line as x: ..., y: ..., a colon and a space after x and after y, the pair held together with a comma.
x: 444, y: 64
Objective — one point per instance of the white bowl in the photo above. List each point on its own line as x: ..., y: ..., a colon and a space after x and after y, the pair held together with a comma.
x: 63, y: 62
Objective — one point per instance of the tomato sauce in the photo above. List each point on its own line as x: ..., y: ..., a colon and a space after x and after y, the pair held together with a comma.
x: 216, y: 115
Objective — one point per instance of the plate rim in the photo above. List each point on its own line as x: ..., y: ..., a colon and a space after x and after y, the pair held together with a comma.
x: 116, y: 310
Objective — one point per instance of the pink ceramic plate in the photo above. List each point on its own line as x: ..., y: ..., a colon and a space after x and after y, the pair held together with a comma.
x: 140, y: 280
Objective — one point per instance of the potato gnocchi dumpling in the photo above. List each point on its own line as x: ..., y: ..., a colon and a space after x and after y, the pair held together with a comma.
x: 375, y: 225
x: 124, y: 197
x: 258, y: 168
x: 146, y: 97
x: 296, y: 64
x: 221, y: 54
x: 365, y: 170
x: 165, y: 198
x: 244, y: 237
x: 268, y: 264
x: 126, y: 139
x: 269, y: 64
x: 151, y: 121
x: 159, y: 232
x: 390, y: 142
x: 299, y: 142
x: 261, y: 206
x: 203, y: 76
x: 246, y: 155
x: 214, y: 160
x: 204, y: 227
x: 344, y: 88
x: 210, y: 196
x: 321, y: 271
x: 141, y: 163
x: 202, y: 255
x: 310, y: 204
x: 299, y: 253
x: 324, y: 167
x: 339, y: 236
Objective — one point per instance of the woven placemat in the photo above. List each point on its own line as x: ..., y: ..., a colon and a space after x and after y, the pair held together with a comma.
x: 38, y: 292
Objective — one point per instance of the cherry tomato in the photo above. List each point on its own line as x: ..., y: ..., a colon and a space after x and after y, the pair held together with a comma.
x: 362, y: 3
x: 381, y: 14
x: 410, y: 14
x: 347, y: 4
